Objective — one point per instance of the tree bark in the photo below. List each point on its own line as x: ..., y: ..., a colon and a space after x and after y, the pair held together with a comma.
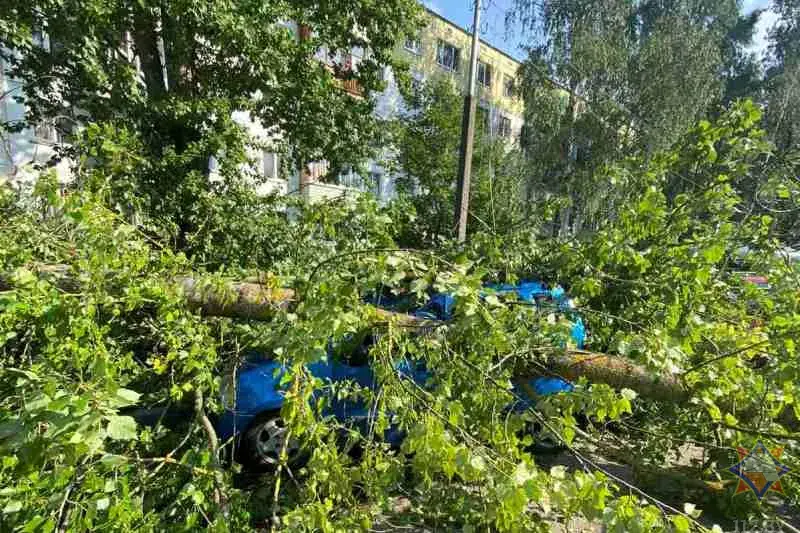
x: 145, y: 41
x: 257, y: 301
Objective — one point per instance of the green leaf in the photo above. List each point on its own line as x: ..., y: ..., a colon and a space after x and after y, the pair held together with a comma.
x: 9, y: 428
x: 393, y: 261
x: 477, y: 462
x: 492, y: 300
x: 121, y: 428
x: 691, y: 509
x: 558, y: 472
x: 521, y: 474
x: 12, y: 506
x: 713, y: 411
x: 681, y: 523
x: 127, y: 396
x: 111, y: 460
x: 714, y: 253
x: 628, y: 394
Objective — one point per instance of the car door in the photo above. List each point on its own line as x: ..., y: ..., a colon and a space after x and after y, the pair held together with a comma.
x: 351, y: 409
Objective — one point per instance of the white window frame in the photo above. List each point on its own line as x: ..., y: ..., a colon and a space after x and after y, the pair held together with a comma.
x: 508, y: 86
x: 504, y: 128
x: 413, y: 45
x: 39, y: 38
x: 45, y: 132
x: 270, y: 165
x: 441, y: 47
x: 376, y: 183
x: 485, y: 74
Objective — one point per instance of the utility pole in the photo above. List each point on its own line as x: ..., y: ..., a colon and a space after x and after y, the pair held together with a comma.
x: 468, y: 132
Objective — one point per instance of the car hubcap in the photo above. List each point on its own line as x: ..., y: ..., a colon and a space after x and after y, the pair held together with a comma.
x: 271, y: 441
x: 542, y: 439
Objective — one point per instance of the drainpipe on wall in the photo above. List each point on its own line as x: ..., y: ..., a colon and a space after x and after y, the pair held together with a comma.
x: 304, y: 34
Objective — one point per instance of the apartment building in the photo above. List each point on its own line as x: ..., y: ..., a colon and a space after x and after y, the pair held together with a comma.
x: 21, y: 152
x: 441, y: 49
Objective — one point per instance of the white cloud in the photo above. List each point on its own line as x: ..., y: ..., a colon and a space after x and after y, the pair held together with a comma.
x: 761, y: 37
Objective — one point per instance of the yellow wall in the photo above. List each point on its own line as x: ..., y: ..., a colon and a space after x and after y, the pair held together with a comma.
x: 426, y: 64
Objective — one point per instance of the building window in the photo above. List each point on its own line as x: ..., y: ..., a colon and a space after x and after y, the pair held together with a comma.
x: 508, y: 86
x: 348, y: 178
x: 46, y: 132
x: 317, y: 170
x: 413, y: 45
x: 271, y: 168
x: 376, y: 184
x: 485, y: 74
x: 448, y: 56
x: 504, y: 129
x: 355, y: 58
x: 38, y: 38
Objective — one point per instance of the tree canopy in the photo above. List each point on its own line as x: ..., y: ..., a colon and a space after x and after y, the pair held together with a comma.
x: 168, y: 76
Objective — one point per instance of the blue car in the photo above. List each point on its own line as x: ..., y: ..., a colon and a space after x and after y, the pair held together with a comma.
x: 255, y: 423
x: 252, y: 419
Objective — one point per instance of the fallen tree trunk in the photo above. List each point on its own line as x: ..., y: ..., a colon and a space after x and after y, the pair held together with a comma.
x: 619, y: 373
x: 259, y: 301
x: 255, y: 301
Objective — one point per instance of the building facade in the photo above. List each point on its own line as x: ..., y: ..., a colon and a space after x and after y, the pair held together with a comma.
x: 441, y: 49
x: 21, y: 152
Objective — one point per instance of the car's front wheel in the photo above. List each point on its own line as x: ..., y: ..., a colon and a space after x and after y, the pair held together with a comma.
x: 261, y: 445
x: 543, y: 441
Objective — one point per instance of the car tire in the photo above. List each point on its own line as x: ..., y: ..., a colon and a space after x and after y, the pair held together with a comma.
x: 543, y: 444
x: 261, y: 444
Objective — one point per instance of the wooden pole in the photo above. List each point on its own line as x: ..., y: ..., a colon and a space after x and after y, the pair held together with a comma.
x: 468, y: 133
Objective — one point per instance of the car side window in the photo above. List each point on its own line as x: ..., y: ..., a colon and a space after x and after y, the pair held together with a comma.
x: 354, y: 350
x: 360, y: 355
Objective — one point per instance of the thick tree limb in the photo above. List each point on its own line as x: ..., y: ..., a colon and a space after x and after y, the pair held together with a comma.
x: 258, y: 301
x: 619, y: 373
x: 235, y: 300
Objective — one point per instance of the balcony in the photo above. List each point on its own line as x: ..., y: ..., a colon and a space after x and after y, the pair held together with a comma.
x: 350, y: 86
x: 340, y: 66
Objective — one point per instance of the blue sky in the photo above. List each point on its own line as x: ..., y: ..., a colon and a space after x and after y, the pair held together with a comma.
x: 493, y: 27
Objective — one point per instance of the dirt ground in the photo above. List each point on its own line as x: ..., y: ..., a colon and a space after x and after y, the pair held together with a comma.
x: 669, y: 490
